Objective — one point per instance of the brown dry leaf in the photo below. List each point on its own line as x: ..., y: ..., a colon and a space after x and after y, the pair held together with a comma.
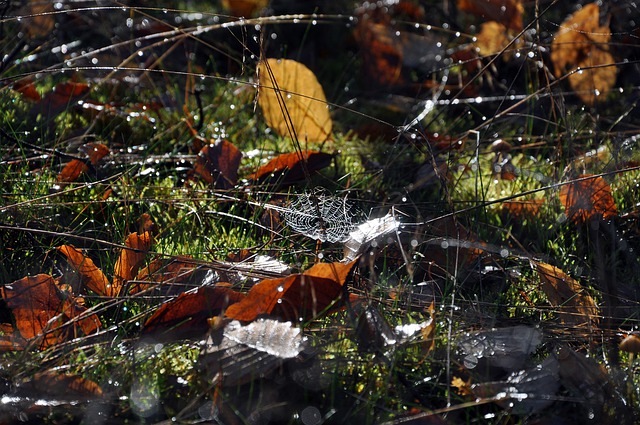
x: 94, y: 151
x: 507, y: 12
x: 582, y: 43
x: 188, y: 314
x: 299, y: 296
x: 244, y: 8
x: 382, y: 52
x: 27, y: 87
x: 39, y: 309
x: 575, y: 305
x: 217, y: 164
x: 92, y: 277
x: 428, y: 333
x: 291, y: 166
x: 292, y: 101
x: 587, y: 199
x: 130, y: 260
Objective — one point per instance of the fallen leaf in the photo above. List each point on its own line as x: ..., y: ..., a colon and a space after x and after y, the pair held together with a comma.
x: 65, y: 385
x: 506, y: 12
x: 217, y: 164
x: 290, y: 167
x: 42, y: 22
x: 588, y: 198
x: 240, y: 353
x: 92, y: 277
x: 574, y: 304
x: 40, y: 310
x: 244, y: 8
x: 582, y: 43
x: 523, y: 209
x: 186, y: 315
x: 94, y: 151
x: 129, y: 261
x: 164, y: 271
x: 27, y: 88
x: 493, y: 39
x: 297, y: 297
x: 59, y: 99
x: 292, y: 101
x: 462, y: 387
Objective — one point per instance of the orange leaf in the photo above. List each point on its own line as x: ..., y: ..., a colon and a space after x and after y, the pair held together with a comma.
x: 92, y: 277
x: 587, y: 199
x: 130, y: 260
x: 582, y: 43
x: 72, y: 171
x: 42, y: 22
x: 34, y: 302
x: 493, y: 38
x: 523, y: 209
x: 187, y: 315
x: 300, y: 296
x: 507, y: 12
x: 217, y: 164
x: 291, y: 166
x: 575, y: 305
x: 292, y: 101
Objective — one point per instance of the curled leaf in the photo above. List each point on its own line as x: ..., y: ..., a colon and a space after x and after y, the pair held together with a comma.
x: 217, y: 164
x: 129, y: 261
x: 290, y: 167
x: 92, y: 277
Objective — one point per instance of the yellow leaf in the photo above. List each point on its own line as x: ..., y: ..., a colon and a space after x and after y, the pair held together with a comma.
x: 582, y: 43
x: 292, y: 101
x: 575, y: 306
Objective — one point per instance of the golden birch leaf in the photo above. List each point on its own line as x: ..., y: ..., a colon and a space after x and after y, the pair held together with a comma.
x: 582, y: 43
x: 292, y: 101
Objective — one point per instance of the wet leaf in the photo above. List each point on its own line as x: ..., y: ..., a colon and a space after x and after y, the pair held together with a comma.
x: 506, y: 12
x: 575, y: 305
x: 187, y: 315
x: 292, y: 101
x: 630, y: 344
x: 290, y: 167
x: 39, y: 309
x: 242, y: 353
x: 217, y: 164
x: 92, y: 277
x: 506, y: 348
x: 582, y: 43
x: 364, y: 234
x: 94, y: 151
x: 587, y: 199
x: 299, y: 296
x: 129, y: 261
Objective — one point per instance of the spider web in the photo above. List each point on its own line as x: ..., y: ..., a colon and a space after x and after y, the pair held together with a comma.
x: 320, y: 216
